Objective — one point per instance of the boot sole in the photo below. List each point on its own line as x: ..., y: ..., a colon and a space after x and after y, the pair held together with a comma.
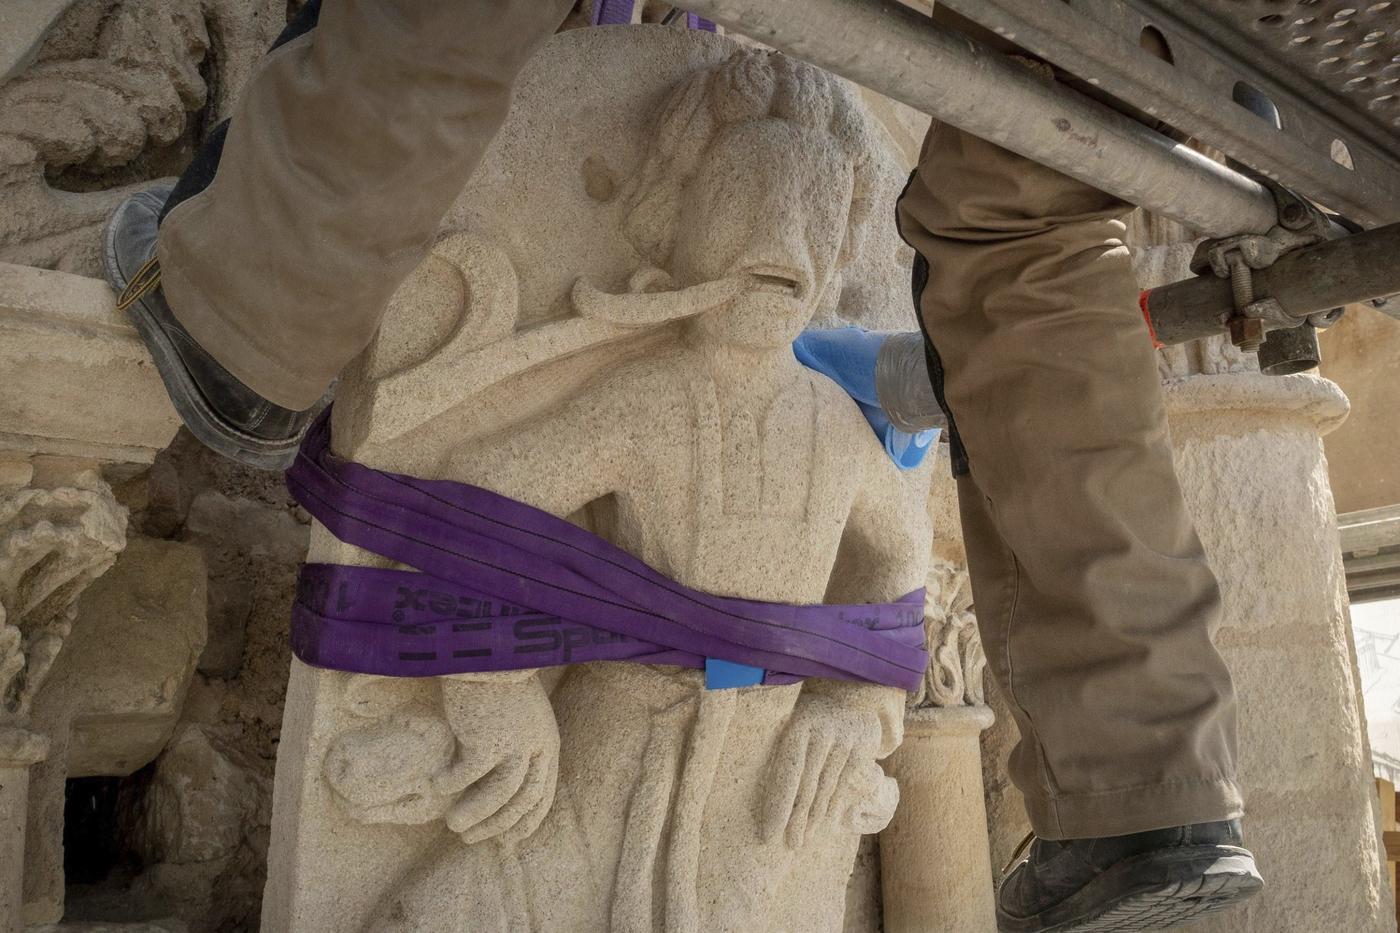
x: 206, y: 424
x: 1154, y: 891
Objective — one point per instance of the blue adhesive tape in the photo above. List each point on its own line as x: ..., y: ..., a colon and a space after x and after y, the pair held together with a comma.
x: 724, y: 675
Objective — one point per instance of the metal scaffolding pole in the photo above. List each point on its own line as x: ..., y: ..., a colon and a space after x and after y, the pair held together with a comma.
x: 901, y: 53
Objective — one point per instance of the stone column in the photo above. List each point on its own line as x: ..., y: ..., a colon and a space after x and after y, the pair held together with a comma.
x: 1249, y: 454
x: 1250, y: 458
x: 19, y: 749
x: 935, y: 868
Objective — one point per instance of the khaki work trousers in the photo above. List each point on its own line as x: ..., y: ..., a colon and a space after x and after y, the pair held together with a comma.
x: 344, y: 152
x: 1094, y: 597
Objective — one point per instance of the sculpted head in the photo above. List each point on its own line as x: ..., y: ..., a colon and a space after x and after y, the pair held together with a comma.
x: 759, y: 170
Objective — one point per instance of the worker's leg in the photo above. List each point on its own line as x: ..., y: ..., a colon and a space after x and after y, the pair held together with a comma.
x: 344, y: 152
x: 1094, y: 597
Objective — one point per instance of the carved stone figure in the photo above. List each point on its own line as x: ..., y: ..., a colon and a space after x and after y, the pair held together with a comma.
x: 669, y: 415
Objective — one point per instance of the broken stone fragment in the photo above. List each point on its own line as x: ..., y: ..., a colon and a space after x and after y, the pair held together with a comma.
x: 139, y: 631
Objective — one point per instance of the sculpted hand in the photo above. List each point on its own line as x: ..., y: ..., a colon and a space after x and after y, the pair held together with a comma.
x: 507, y: 761
x: 824, y: 769
x: 486, y: 760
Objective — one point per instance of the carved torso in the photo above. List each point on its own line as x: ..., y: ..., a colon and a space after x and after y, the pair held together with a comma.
x: 711, y: 492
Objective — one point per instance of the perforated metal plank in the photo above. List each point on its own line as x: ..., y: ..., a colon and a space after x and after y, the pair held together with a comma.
x: 1330, y: 70
x: 1371, y: 552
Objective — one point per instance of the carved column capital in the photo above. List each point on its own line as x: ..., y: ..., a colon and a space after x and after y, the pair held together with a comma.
x: 20, y: 748
x: 956, y: 662
x: 55, y: 539
x: 1317, y: 402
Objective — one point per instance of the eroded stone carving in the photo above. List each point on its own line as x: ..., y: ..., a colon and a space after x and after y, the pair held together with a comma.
x: 60, y: 529
x: 665, y: 410
x: 100, y: 94
x: 956, y: 661
x: 53, y: 543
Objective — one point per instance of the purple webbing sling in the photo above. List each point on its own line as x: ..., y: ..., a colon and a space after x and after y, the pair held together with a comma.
x: 505, y: 586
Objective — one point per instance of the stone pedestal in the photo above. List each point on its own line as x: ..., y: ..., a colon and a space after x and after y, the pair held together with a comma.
x: 19, y: 749
x: 1249, y: 454
x: 935, y: 870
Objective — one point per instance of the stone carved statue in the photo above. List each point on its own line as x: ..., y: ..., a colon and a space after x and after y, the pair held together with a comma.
x: 672, y: 417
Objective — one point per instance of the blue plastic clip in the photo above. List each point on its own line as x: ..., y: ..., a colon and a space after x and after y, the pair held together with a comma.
x: 722, y: 675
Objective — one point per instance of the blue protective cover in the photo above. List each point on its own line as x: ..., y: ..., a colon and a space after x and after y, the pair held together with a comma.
x: 847, y: 355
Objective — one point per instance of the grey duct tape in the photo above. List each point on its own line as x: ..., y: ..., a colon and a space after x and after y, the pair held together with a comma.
x: 903, y: 385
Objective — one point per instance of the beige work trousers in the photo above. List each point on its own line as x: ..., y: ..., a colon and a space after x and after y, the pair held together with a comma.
x: 344, y: 152
x: 1093, y: 596
x: 1095, y: 600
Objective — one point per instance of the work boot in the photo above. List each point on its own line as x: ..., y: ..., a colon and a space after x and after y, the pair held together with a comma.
x: 1118, y: 884
x: 219, y: 410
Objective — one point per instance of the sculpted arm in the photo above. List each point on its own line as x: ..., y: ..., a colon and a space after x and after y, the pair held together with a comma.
x: 496, y: 733
x: 827, y: 760
x: 885, y: 553
x: 888, y: 539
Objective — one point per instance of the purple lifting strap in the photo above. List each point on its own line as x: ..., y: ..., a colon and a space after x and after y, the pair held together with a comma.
x: 505, y: 586
x: 619, y: 13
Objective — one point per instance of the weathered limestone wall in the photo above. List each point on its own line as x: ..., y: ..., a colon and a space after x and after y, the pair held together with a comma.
x: 115, y: 693
x: 1361, y: 353
x: 97, y: 96
x: 63, y: 522
x: 197, y: 820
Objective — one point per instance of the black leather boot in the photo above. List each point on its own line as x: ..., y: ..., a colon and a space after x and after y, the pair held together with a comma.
x: 223, y: 413
x: 1144, y: 881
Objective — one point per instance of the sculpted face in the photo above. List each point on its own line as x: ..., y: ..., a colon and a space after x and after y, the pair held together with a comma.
x: 769, y: 201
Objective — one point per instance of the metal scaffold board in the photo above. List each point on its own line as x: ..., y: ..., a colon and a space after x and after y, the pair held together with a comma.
x: 1327, y: 70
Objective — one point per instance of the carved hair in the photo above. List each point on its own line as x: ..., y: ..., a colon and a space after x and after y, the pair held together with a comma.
x: 749, y: 85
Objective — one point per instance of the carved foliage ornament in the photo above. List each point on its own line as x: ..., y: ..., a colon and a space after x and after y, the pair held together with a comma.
x: 53, y: 543
x: 956, y: 662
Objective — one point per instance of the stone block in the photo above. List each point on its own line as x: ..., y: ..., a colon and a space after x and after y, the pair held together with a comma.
x: 78, y: 379
x: 126, y: 667
x: 201, y: 802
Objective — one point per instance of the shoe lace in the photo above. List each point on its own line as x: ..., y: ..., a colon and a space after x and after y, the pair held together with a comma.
x: 1021, y: 848
x: 146, y: 278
